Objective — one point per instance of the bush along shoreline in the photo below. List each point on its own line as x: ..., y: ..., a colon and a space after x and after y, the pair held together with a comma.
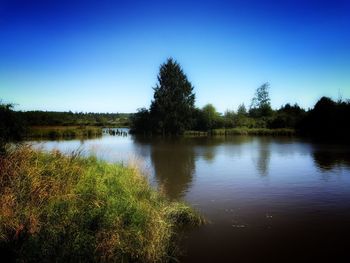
x: 59, y: 208
x: 243, y: 131
x: 62, y: 132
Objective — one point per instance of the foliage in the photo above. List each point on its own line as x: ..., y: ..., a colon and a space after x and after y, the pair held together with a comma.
x: 53, y: 118
x: 288, y: 117
x: 243, y: 131
x: 229, y: 119
x: 173, y: 104
x: 242, y: 110
x: 328, y: 119
x: 254, y: 131
x: 171, y: 111
x: 261, y: 106
x: 209, y: 118
x: 11, y: 126
x: 141, y: 121
x: 58, y: 208
x: 62, y: 132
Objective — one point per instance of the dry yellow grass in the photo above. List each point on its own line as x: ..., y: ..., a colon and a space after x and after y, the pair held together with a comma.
x: 68, y: 208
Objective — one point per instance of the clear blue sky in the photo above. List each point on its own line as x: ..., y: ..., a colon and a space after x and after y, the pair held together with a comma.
x: 104, y: 56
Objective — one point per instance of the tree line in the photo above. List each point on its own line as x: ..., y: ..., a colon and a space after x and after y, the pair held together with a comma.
x: 69, y: 118
x: 15, y: 125
x: 173, y: 111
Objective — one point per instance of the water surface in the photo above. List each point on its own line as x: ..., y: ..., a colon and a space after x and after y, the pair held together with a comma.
x: 267, y: 198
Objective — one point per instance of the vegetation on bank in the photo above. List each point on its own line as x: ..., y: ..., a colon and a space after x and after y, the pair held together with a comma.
x: 53, y: 118
x: 173, y: 112
x: 58, y: 208
x: 243, y: 131
x: 62, y: 132
x: 328, y: 119
x: 12, y: 128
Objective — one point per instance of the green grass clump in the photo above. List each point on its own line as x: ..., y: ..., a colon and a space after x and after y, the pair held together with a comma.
x: 69, y: 208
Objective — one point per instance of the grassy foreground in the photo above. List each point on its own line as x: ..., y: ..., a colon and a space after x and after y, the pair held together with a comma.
x: 58, y: 208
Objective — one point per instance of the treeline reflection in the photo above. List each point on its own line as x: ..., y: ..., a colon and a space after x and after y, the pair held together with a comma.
x: 174, y: 159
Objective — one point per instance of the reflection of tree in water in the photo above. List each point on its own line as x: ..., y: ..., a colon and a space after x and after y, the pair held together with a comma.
x: 208, y: 148
x: 209, y: 154
x: 329, y: 158
x: 173, y: 161
x: 174, y: 165
x: 263, y: 157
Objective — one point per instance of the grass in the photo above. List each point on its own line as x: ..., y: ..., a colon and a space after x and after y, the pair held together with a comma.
x: 243, y: 131
x: 253, y: 131
x: 196, y: 133
x: 63, y: 132
x: 58, y: 208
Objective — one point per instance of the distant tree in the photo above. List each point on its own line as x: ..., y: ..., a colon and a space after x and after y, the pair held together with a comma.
x: 141, y: 122
x: 325, y: 105
x: 229, y: 118
x: 287, y: 117
x: 49, y: 118
x: 172, y: 108
x: 211, y: 117
x: 261, y: 106
x: 328, y: 120
x: 242, y: 110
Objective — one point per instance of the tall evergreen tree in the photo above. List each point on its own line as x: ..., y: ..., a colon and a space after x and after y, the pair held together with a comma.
x: 173, y: 105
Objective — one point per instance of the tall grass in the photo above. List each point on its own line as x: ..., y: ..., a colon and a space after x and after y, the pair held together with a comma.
x: 243, y: 131
x: 253, y: 131
x: 68, y: 208
x: 63, y: 132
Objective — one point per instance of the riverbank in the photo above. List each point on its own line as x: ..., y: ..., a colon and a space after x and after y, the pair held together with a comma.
x: 243, y: 131
x: 63, y: 132
x: 68, y: 208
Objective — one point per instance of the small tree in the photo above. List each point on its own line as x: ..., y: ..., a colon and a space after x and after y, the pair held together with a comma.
x: 260, y: 106
x: 242, y: 119
x: 242, y: 111
x: 229, y: 118
x: 210, y: 117
x: 173, y: 105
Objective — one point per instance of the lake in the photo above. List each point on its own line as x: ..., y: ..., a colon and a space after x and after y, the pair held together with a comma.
x: 274, y: 199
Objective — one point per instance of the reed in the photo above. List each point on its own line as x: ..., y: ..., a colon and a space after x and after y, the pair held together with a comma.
x: 59, y: 208
x: 242, y: 131
x: 254, y: 131
x: 63, y: 132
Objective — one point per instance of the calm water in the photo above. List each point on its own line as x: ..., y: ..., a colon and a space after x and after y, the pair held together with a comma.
x: 267, y: 198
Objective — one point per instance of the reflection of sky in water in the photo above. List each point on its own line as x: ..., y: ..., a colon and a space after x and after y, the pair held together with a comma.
x: 109, y: 148
x: 263, y: 173
x: 248, y: 187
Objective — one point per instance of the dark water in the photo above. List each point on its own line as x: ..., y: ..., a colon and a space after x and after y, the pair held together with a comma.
x: 268, y: 199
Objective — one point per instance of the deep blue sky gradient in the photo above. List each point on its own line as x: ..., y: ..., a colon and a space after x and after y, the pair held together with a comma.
x: 105, y: 55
